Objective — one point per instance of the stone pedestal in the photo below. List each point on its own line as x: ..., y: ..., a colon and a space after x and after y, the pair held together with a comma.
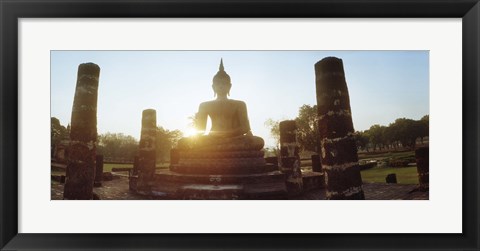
x: 290, y: 158
x: 338, y: 149
x: 147, y: 151
x: 219, y: 175
x: 83, y: 135
x: 422, y: 159
x: 173, y: 185
x: 219, y: 155
x: 215, y: 175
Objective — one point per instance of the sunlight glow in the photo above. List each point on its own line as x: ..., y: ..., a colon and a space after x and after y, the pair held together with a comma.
x: 190, y: 131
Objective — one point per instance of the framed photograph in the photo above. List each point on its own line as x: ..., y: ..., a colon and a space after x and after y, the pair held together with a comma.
x: 162, y: 55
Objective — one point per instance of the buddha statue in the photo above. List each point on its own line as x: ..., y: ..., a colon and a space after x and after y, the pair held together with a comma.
x: 230, y: 146
x: 230, y: 129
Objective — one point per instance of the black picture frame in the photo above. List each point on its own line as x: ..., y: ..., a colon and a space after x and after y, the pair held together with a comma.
x: 11, y: 11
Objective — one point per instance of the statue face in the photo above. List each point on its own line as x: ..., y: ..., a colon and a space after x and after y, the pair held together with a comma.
x: 221, y: 89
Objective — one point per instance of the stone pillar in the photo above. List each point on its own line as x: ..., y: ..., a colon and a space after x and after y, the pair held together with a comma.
x: 422, y: 159
x: 146, y: 151
x: 98, y: 171
x: 83, y: 135
x: 316, y: 164
x: 290, y: 158
x: 135, y: 166
x: 133, y: 179
x: 338, y: 149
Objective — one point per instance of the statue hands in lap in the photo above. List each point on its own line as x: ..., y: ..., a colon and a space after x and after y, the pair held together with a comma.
x: 230, y: 126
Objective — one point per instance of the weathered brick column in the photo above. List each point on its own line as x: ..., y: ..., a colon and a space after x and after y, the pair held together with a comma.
x: 133, y: 179
x: 98, y: 171
x: 338, y: 149
x: 290, y: 158
x: 146, y: 151
x: 422, y: 159
x: 83, y: 135
x: 135, y: 166
x: 316, y: 164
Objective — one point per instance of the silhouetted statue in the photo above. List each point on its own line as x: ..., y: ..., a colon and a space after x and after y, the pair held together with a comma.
x: 230, y: 146
x: 230, y: 129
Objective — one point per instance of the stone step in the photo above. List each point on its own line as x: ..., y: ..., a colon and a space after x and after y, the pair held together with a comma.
x: 223, y: 169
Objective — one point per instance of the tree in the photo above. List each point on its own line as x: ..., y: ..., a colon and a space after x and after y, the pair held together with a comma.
x: 274, y: 126
x: 193, y: 121
x: 424, y: 124
x: 117, y: 146
x: 271, y: 151
x: 362, y: 140
x: 307, y: 128
x: 376, y: 135
x: 403, y: 131
x: 57, y: 133
x: 406, y: 131
x: 165, y: 141
x: 389, y: 136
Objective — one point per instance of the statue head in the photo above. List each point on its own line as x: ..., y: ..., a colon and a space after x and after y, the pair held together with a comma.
x: 221, y: 82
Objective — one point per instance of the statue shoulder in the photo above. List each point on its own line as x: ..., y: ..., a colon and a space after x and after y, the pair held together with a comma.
x: 205, y: 105
x: 243, y: 106
x: 239, y: 103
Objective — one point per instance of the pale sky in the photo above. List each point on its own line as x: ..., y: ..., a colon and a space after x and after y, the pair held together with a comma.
x: 383, y: 85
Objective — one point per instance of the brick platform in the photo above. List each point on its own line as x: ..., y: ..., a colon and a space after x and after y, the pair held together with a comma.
x: 117, y: 189
x: 383, y: 191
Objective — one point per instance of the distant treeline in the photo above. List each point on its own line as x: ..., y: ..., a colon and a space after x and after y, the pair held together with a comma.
x: 402, y: 132
x: 117, y: 147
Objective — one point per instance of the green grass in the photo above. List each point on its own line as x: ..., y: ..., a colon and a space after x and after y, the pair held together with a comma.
x: 108, y: 167
x: 405, y: 175
x: 387, y: 155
